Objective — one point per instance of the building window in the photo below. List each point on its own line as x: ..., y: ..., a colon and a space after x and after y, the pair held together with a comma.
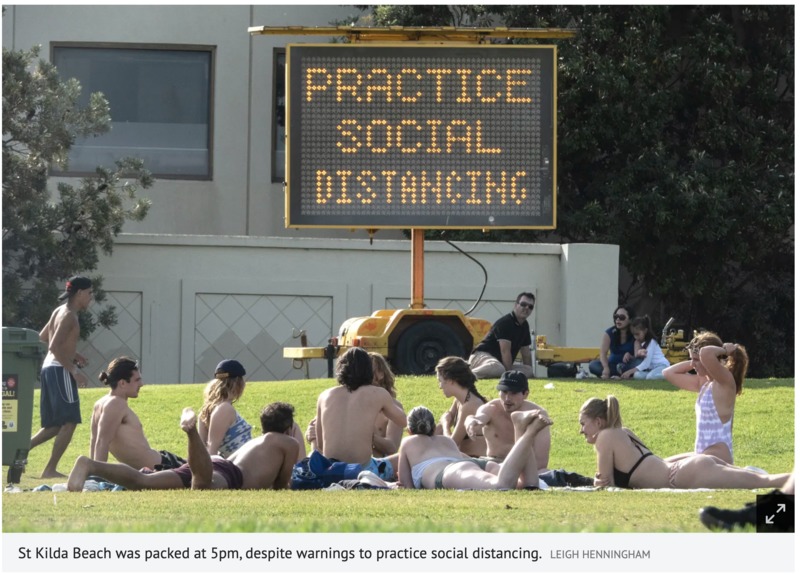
x: 161, y: 106
x: 279, y: 116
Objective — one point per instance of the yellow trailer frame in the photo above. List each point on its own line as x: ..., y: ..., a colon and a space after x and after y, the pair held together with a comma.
x: 412, y: 339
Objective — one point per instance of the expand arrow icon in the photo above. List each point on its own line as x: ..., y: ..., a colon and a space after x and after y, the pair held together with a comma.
x: 769, y: 519
x: 781, y: 507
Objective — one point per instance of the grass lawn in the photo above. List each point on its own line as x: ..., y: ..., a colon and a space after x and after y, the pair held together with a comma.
x: 660, y: 414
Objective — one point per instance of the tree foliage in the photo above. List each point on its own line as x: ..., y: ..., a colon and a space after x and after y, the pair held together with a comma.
x: 676, y: 142
x: 46, y: 240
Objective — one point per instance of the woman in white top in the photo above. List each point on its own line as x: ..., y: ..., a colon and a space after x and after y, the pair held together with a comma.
x: 715, y: 371
x: 646, y: 349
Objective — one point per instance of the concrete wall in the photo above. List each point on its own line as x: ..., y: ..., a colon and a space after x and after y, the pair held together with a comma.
x: 185, y: 302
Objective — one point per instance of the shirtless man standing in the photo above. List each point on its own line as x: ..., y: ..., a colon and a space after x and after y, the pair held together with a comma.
x: 116, y: 429
x: 346, y: 414
x: 494, y: 418
x: 264, y: 462
x: 60, y: 408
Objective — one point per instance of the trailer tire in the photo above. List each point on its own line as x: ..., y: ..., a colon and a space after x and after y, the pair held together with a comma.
x: 422, y: 345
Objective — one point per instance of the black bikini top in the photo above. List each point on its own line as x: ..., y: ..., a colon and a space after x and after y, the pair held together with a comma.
x: 622, y: 479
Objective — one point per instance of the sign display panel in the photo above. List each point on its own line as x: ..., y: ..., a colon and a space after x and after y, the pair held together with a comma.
x: 420, y: 136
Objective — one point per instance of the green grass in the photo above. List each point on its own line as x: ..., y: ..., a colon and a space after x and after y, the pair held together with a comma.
x: 661, y: 415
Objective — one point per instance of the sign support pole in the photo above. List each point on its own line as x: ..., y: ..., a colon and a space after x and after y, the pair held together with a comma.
x: 417, y: 268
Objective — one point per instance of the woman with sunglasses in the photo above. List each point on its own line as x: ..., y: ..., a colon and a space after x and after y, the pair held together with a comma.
x: 623, y: 460
x: 616, y: 346
x: 715, y: 371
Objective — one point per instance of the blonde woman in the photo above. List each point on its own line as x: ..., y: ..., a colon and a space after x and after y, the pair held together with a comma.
x: 222, y: 429
x: 387, y: 435
x: 715, y: 371
x: 623, y: 460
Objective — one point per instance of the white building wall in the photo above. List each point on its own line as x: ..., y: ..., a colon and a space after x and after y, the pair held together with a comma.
x: 203, y: 298
x: 241, y: 199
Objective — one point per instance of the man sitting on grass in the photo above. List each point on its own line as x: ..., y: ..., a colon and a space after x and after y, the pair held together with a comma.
x: 346, y: 414
x: 429, y: 461
x: 493, y: 420
x: 116, y: 429
x: 262, y: 463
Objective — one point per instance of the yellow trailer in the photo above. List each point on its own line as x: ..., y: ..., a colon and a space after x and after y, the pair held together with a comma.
x: 413, y: 340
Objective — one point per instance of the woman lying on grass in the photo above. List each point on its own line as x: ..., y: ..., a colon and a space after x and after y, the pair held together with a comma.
x: 624, y: 461
x: 429, y: 461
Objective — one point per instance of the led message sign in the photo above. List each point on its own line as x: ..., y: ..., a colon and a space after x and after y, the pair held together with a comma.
x: 420, y: 136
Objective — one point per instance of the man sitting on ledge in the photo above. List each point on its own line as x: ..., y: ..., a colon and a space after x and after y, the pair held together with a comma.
x: 510, y: 335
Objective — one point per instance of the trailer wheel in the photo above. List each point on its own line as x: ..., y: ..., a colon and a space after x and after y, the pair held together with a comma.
x: 423, y: 344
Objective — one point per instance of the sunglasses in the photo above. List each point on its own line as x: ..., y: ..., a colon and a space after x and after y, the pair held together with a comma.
x: 526, y: 305
x: 620, y: 317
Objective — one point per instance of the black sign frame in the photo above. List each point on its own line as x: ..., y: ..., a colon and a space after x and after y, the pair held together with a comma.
x: 482, y: 149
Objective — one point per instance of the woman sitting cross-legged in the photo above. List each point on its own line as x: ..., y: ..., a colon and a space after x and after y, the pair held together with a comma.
x: 429, y: 461
x: 623, y: 460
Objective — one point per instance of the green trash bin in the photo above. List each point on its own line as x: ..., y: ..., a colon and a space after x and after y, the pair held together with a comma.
x: 22, y: 362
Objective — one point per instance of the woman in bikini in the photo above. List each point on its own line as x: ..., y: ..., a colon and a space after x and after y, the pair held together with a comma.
x: 623, y: 460
x: 430, y: 461
x: 387, y: 435
x: 221, y: 428
x: 719, y: 370
x: 456, y: 380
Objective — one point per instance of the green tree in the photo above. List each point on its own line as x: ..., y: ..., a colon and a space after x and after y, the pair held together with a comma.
x: 46, y: 240
x: 676, y: 142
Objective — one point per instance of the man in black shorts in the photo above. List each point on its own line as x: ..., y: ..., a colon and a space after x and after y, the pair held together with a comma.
x: 509, y: 335
x: 264, y: 462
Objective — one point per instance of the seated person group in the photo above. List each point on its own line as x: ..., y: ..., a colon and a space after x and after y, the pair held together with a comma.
x: 478, y: 443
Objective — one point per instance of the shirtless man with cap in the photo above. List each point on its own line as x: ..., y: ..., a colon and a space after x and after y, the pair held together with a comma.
x: 116, y: 429
x: 60, y: 407
x: 346, y: 414
x: 264, y: 462
x: 494, y: 418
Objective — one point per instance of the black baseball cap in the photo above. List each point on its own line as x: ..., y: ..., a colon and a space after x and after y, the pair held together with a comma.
x: 229, y: 368
x: 513, y: 381
x: 74, y: 284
